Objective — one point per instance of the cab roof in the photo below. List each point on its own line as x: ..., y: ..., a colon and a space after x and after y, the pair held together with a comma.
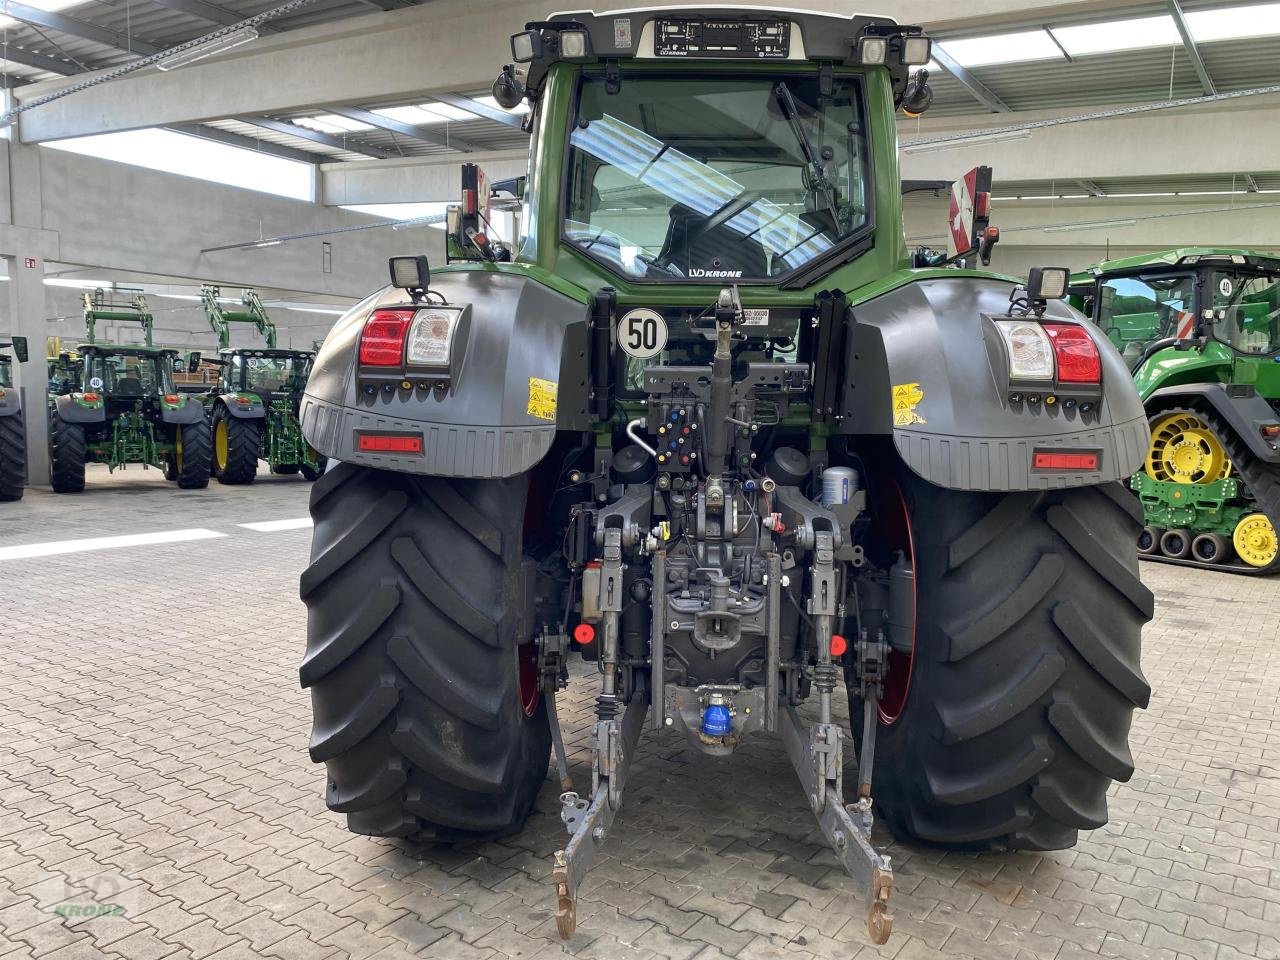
x: 126, y: 348
x: 1181, y: 256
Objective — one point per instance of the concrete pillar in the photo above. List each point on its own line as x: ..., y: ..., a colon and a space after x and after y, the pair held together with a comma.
x: 27, y: 307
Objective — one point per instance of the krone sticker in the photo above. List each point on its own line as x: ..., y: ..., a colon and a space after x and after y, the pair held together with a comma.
x: 542, y: 398
x: 906, y: 397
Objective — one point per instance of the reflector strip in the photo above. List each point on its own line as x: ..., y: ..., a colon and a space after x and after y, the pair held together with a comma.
x: 1065, y: 461
x: 389, y: 442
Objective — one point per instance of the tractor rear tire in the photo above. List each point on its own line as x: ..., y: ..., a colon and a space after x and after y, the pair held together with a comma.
x: 66, y: 455
x: 192, y: 470
x: 235, y: 448
x: 13, y: 457
x: 1026, y: 668
x: 424, y: 699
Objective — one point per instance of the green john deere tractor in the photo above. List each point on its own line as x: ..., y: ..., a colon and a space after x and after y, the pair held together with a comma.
x: 125, y: 408
x: 1200, y: 330
x: 703, y: 423
x: 13, y: 433
x: 254, y: 407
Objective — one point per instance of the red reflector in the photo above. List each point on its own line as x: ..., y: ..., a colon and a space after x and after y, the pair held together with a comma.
x: 584, y: 634
x: 839, y: 645
x: 981, y: 205
x: 389, y: 442
x: 1078, y: 359
x: 469, y: 204
x: 1271, y: 430
x: 382, y: 340
x: 1065, y: 461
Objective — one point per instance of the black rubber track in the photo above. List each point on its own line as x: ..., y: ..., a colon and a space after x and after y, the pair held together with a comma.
x: 66, y: 455
x: 415, y: 606
x: 197, y: 453
x: 13, y: 457
x: 1026, y: 670
x: 243, y: 439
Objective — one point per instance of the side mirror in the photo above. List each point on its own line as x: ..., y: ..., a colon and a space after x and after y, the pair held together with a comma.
x: 20, y: 349
x: 193, y: 361
x: 514, y: 186
x: 412, y: 274
x: 508, y: 91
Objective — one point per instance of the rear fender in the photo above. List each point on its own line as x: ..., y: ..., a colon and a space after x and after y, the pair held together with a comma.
x: 10, y: 401
x: 925, y: 367
x: 72, y: 408
x: 255, y: 409
x: 187, y: 410
x: 519, y: 374
x: 1243, y: 410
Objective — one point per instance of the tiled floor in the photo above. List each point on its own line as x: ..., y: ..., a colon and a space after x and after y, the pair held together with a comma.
x: 153, y: 772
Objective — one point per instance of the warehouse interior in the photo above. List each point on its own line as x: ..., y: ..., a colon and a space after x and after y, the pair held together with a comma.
x: 156, y: 796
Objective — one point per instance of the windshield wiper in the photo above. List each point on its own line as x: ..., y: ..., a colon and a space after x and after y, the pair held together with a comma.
x: 820, y: 182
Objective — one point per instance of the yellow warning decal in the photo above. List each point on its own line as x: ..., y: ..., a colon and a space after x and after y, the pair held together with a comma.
x: 542, y: 398
x: 906, y: 397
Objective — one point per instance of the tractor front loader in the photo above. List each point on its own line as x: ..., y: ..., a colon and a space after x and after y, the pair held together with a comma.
x: 125, y: 408
x: 13, y: 433
x: 254, y: 407
x: 702, y: 424
x: 1200, y: 329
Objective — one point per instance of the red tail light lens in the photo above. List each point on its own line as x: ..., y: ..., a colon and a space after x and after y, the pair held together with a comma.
x: 382, y: 340
x: 1077, y: 354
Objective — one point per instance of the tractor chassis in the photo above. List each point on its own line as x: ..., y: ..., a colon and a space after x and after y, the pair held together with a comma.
x: 816, y: 751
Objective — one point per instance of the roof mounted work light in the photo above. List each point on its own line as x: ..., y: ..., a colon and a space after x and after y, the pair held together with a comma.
x: 526, y: 46
x: 916, y: 51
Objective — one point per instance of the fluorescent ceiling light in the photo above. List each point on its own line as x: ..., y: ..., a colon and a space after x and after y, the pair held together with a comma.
x: 1235, y: 23
x: 331, y: 123
x: 1002, y: 48
x: 402, y: 211
x: 1113, y: 35
x: 1089, y: 225
x: 523, y: 106
x: 967, y: 140
x: 220, y: 44
x: 426, y: 114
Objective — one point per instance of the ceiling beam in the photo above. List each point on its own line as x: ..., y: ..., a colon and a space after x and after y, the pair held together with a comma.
x: 34, y: 16
x: 1189, y: 44
x: 412, y: 131
x: 482, y: 110
x: 37, y: 61
x: 976, y: 87
x: 315, y: 136
x: 216, y: 135
x: 204, y: 10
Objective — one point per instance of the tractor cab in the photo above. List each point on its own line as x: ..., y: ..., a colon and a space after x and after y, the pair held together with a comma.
x: 129, y: 377
x: 271, y: 374
x: 1228, y: 300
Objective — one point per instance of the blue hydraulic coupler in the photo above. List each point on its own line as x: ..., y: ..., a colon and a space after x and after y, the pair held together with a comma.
x: 716, y: 722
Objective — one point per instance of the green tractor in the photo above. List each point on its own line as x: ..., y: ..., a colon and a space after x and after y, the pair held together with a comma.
x: 13, y: 433
x: 1200, y: 330
x: 125, y: 408
x: 254, y: 407
x: 704, y: 424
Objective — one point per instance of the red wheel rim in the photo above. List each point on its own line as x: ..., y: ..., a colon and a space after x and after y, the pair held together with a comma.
x: 895, y: 529
x: 527, y: 657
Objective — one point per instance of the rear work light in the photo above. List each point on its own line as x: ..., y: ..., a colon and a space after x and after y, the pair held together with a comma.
x: 389, y: 442
x: 382, y: 339
x: 1076, y: 353
x: 1047, y: 460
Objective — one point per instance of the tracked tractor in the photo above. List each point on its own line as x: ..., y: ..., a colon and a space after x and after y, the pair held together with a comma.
x: 254, y: 407
x: 1200, y: 330
x: 13, y: 433
x: 125, y: 409
x: 701, y: 424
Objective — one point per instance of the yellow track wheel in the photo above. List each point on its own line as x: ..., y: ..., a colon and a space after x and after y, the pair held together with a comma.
x: 1255, y: 540
x: 1184, y: 450
x: 220, y: 445
x: 177, y: 451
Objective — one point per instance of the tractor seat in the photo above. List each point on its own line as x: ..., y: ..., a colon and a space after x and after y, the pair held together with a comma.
x: 130, y: 386
x: 693, y: 244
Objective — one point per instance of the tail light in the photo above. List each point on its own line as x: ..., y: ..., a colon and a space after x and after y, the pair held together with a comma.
x: 89, y: 397
x: 1076, y: 353
x: 171, y: 398
x: 382, y: 339
x: 1030, y: 350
